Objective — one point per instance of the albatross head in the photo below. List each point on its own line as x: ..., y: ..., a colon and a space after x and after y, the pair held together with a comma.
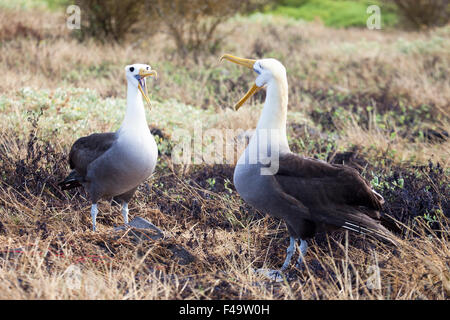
x: 136, y: 74
x: 267, y: 70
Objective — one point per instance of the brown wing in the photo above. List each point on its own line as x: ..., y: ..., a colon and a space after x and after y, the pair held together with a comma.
x: 333, y: 193
x: 343, y: 184
x: 87, y: 149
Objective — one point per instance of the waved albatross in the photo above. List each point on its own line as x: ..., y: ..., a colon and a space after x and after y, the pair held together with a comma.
x: 310, y: 195
x: 113, y: 164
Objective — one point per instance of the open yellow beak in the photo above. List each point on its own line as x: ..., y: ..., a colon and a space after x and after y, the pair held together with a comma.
x: 141, y: 82
x: 246, y: 63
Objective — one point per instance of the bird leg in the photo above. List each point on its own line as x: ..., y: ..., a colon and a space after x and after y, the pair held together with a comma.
x: 303, y: 247
x: 276, y: 275
x: 125, y: 212
x: 289, y: 253
x: 94, y: 212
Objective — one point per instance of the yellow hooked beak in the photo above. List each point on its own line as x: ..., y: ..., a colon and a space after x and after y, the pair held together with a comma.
x: 246, y: 63
x: 141, y: 82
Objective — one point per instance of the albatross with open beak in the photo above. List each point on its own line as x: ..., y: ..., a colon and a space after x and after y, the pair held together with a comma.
x: 113, y: 164
x: 310, y: 195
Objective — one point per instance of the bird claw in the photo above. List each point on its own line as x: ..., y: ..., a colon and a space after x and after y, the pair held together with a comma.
x: 273, y: 275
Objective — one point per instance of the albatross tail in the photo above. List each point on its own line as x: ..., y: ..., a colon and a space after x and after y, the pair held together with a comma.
x: 71, y: 181
x: 375, y: 228
x: 365, y: 222
x: 379, y: 231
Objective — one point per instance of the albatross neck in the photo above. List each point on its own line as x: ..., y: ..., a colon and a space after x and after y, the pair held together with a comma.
x: 135, y: 115
x: 274, y: 113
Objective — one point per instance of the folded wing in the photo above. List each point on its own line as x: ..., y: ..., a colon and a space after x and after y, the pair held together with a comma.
x: 83, y: 152
x: 335, y: 195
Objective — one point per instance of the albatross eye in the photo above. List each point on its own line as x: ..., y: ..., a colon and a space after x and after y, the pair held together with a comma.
x: 131, y: 69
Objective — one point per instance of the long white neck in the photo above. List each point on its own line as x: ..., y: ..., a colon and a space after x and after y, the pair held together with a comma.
x: 135, y: 115
x: 273, y: 117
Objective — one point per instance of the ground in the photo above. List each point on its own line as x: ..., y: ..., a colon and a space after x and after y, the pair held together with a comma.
x: 375, y: 100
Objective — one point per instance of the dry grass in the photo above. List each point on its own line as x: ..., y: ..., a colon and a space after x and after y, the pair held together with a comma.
x: 334, y: 75
x: 399, y: 147
x: 337, y: 269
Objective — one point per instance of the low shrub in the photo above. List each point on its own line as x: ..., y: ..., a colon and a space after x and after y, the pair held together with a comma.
x: 192, y: 24
x: 420, y: 14
x: 107, y: 20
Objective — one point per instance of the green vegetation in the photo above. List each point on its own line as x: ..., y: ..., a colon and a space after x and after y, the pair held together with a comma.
x: 32, y: 4
x: 342, y: 13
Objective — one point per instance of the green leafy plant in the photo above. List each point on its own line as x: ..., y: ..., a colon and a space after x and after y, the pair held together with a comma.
x: 344, y: 13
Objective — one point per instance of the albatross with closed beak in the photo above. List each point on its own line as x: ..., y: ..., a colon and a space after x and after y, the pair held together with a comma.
x: 310, y: 195
x: 113, y: 164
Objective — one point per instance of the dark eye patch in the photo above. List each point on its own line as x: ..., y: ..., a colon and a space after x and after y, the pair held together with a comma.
x: 259, y: 66
x: 131, y: 69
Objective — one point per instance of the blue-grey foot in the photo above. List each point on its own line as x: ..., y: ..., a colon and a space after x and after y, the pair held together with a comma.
x: 271, y: 274
x: 94, y: 212
x: 303, y: 247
